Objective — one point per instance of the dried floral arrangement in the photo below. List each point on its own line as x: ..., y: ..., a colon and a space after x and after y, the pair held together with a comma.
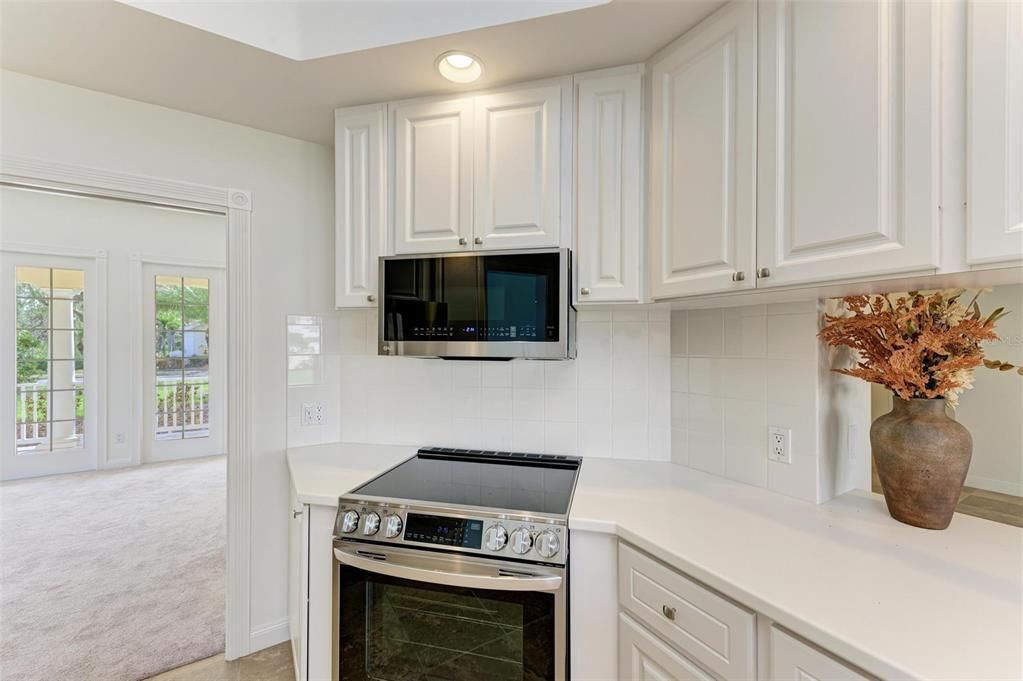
x: 916, y: 344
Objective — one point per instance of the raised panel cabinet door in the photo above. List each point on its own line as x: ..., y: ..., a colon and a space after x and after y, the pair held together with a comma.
x: 848, y: 180
x: 703, y: 158
x: 644, y: 657
x: 359, y: 169
x: 793, y: 660
x: 518, y: 168
x: 298, y: 585
x: 608, y: 213
x: 994, y: 145
x: 433, y: 176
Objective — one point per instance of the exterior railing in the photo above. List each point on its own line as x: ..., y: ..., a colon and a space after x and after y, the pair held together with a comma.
x: 182, y: 405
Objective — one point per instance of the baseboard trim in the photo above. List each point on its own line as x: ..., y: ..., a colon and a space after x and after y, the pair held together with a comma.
x: 269, y: 634
x: 993, y: 485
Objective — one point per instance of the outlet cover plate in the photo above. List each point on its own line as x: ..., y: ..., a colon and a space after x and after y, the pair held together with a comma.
x: 779, y: 444
x: 312, y: 414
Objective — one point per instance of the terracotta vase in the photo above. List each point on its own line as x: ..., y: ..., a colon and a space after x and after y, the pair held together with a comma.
x: 922, y: 457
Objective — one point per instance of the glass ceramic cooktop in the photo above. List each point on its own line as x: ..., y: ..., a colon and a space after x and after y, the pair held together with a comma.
x: 530, y: 483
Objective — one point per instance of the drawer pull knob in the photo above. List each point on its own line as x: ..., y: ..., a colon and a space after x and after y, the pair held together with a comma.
x: 669, y: 612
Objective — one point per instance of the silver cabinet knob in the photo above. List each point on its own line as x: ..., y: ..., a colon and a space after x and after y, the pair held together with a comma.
x: 478, y: 241
x: 371, y: 525
x: 763, y: 273
x: 738, y: 276
x: 668, y: 612
x: 392, y: 528
x: 521, y: 540
x: 462, y: 241
x: 495, y: 538
x: 547, y: 544
x: 584, y: 291
x: 296, y: 514
x: 371, y: 298
x: 349, y: 522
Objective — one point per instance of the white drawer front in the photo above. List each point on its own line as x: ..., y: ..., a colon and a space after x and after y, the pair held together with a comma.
x: 709, y: 628
x: 644, y: 657
x: 793, y: 660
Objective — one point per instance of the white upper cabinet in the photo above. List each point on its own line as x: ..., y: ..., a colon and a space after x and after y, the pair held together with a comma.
x: 994, y: 146
x: 518, y: 168
x: 848, y: 181
x: 359, y: 191
x: 703, y: 158
x: 608, y: 186
x: 432, y: 190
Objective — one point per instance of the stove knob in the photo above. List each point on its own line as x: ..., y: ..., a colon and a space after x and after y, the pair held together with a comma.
x: 392, y: 528
x: 547, y: 544
x: 371, y: 525
x: 521, y: 540
x: 495, y: 538
x: 349, y: 522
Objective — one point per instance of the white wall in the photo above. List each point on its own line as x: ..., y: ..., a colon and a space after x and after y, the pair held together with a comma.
x: 292, y: 251
x: 52, y: 222
x: 737, y: 371
x: 613, y: 400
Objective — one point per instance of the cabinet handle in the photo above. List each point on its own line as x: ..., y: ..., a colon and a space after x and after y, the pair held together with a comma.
x: 763, y: 273
x: 371, y: 298
x: 738, y: 276
x: 584, y: 291
x: 296, y: 514
x: 462, y: 241
x: 669, y: 612
x: 478, y: 241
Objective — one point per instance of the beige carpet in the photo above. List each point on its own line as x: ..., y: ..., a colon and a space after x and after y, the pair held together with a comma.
x: 112, y: 576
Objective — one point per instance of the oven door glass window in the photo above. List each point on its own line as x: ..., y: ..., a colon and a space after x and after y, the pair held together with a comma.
x: 400, y: 630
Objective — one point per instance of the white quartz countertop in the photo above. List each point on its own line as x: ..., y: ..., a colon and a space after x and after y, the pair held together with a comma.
x: 322, y: 473
x: 897, y: 601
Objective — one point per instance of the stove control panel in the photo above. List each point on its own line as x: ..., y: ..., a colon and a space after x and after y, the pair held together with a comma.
x: 509, y: 536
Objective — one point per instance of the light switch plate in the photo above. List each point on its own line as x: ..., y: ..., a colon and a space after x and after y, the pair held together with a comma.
x: 779, y: 444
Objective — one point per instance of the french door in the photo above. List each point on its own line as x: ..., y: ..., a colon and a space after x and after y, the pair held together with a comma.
x: 50, y: 377
x: 183, y: 362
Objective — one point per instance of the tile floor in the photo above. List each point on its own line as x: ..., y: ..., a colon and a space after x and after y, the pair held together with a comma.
x: 272, y: 664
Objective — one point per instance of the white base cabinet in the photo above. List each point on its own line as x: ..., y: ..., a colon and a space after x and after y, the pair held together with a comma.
x: 644, y: 657
x: 793, y: 660
x: 310, y: 594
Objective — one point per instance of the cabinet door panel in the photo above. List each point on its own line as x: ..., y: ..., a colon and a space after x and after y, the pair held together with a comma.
x: 518, y: 168
x: 703, y: 158
x: 994, y: 132
x: 793, y: 660
x: 644, y: 657
x: 848, y: 139
x: 432, y: 176
x: 359, y: 215
x: 298, y: 585
x: 608, y: 188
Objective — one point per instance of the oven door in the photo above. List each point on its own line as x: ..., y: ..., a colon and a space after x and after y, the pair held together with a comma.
x: 407, y: 615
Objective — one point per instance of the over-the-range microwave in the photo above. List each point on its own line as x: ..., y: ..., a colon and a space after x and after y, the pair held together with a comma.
x: 496, y: 305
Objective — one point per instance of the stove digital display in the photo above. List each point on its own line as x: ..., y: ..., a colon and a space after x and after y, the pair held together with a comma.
x: 435, y: 529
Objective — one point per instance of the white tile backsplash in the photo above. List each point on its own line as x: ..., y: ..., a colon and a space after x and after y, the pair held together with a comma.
x: 739, y: 371
x: 613, y: 400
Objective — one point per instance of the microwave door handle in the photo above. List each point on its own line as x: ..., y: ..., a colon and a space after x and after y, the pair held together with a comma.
x: 404, y: 568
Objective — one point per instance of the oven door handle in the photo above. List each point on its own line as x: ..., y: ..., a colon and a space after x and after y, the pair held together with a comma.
x: 470, y: 576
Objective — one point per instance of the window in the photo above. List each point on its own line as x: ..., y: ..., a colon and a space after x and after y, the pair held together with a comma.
x: 49, y: 390
x: 182, y: 357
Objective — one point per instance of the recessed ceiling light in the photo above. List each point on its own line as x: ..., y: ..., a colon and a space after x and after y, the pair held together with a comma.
x: 460, y: 67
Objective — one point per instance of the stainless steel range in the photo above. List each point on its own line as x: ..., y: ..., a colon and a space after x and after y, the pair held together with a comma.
x: 452, y: 566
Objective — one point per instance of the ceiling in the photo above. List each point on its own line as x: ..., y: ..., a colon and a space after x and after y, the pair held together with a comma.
x: 119, y: 49
x: 308, y: 29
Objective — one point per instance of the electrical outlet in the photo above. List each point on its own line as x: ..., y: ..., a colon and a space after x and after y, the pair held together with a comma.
x: 312, y: 414
x: 118, y: 438
x: 779, y: 444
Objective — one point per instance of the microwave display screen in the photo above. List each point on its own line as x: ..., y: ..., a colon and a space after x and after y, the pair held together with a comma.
x: 492, y: 298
